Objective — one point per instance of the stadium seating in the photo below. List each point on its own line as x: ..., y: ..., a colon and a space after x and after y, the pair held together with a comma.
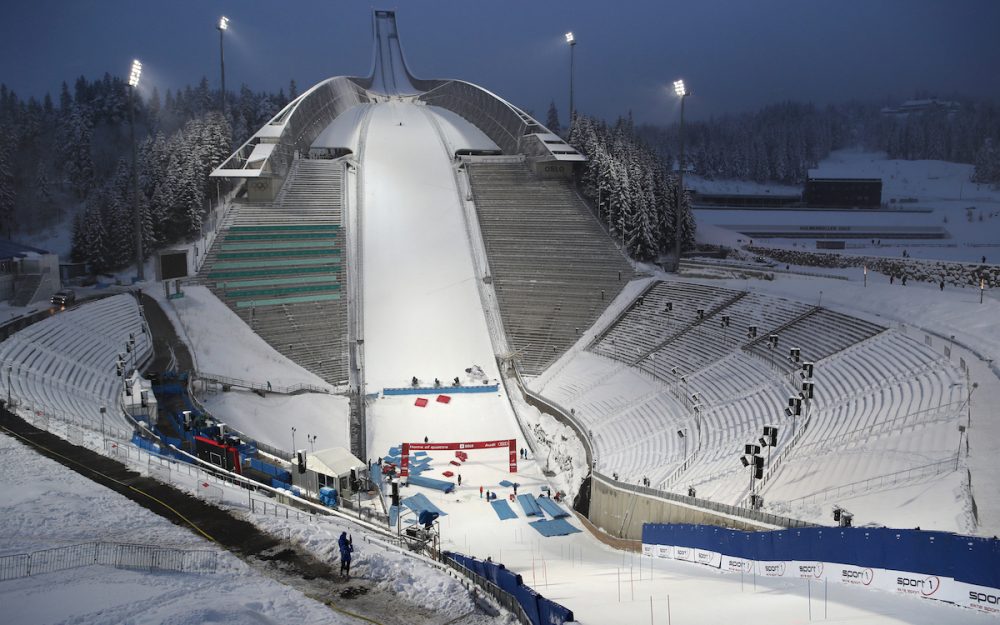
x: 281, y: 268
x: 66, y: 364
x: 553, y: 268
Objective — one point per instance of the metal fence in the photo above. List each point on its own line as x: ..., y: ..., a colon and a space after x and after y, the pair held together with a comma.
x: 118, y: 555
x: 880, y: 482
x: 504, y: 598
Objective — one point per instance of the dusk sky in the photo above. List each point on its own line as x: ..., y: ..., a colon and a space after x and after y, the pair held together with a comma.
x: 734, y: 55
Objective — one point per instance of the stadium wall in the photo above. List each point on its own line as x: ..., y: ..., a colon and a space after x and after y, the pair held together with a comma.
x: 939, y: 566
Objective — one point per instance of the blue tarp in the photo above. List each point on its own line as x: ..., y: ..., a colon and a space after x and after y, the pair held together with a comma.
x: 503, y: 510
x: 506, y: 483
x: 555, y: 527
x: 420, y: 502
x: 528, y: 504
x: 551, y: 507
x: 429, y: 482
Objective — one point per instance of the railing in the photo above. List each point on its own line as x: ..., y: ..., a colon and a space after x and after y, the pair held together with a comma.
x: 259, y: 386
x: 118, y: 555
x: 879, y: 482
x: 501, y: 596
x: 735, y: 511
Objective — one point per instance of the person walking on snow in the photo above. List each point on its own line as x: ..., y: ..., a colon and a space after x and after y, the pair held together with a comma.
x: 459, y: 479
x: 480, y: 492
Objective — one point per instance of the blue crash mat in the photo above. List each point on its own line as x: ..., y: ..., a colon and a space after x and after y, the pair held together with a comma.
x: 528, y: 504
x: 429, y: 482
x: 556, y: 527
x: 551, y: 507
x: 506, y: 484
x: 419, y: 502
x: 503, y: 510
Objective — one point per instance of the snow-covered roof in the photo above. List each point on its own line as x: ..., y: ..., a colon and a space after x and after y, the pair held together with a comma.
x: 261, y: 152
x: 10, y: 250
x: 335, y: 461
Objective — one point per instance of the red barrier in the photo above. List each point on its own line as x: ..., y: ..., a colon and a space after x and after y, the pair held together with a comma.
x: 509, y: 443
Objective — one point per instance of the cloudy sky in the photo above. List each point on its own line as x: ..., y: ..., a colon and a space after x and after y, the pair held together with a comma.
x: 734, y: 54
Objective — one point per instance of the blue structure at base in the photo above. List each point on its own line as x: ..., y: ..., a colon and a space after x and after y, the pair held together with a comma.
x: 430, y: 390
x: 528, y: 504
x: 429, y: 482
x: 540, y: 611
x: 553, y: 509
x: 503, y: 510
x: 555, y: 527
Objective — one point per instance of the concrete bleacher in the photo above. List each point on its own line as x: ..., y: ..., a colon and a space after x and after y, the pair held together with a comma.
x: 634, y: 387
x: 65, y: 365
x: 553, y: 268
x: 280, y: 267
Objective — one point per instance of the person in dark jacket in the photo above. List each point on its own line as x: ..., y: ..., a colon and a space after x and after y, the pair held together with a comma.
x: 346, y: 545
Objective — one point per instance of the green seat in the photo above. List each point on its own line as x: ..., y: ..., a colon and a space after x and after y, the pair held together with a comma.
x: 276, y: 291
x: 277, y: 271
x: 275, y: 254
x: 285, y: 262
x: 283, y: 227
x: 269, y: 245
x: 243, y: 284
x: 285, y: 236
x: 299, y: 299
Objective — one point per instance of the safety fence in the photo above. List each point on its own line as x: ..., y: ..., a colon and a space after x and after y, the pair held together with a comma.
x: 118, y: 555
x: 963, y: 570
x: 508, y: 590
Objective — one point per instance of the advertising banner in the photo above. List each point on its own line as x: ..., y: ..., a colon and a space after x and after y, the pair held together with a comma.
x: 855, y: 575
x: 981, y: 598
x: 684, y: 553
x: 807, y: 569
x: 737, y: 565
x: 648, y: 550
x: 774, y: 568
x: 708, y: 558
x: 664, y: 551
x: 913, y: 584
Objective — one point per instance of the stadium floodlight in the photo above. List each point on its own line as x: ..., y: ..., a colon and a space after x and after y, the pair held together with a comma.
x: 133, y: 77
x: 223, y: 26
x: 133, y: 83
x: 571, y: 40
x: 682, y: 93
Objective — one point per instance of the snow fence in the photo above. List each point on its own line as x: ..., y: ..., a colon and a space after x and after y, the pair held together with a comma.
x: 509, y: 590
x: 963, y: 570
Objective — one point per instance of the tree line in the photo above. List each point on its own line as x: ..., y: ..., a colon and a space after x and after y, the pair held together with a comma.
x: 628, y: 185
x: 781, y: 142
x: 72, y: 159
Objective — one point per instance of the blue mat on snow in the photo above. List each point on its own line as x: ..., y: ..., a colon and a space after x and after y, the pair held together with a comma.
x: 551, y: 507
x: 394, y: 451
x: 503, y: 510
x: 556, y: 527
x: 420, y: 453
x: 429, y: 482
x: 419, y: 502
x: 528, y: 504
x: 506, y: 483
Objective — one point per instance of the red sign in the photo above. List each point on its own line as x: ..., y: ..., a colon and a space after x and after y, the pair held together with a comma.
x: 509, y: 443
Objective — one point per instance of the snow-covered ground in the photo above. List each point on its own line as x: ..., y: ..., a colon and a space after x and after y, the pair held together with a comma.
x: 933, y: 194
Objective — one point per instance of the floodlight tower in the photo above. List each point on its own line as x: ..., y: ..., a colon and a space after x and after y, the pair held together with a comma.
x: 133, y: 83
x: 571, y: 40
x: 223, y: 25
x: 681, y: 91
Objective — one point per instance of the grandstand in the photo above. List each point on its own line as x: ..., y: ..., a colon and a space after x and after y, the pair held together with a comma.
x: 65, y: 365
x: 553, y: 268
x: 661, y: 370
x: 280, y: 267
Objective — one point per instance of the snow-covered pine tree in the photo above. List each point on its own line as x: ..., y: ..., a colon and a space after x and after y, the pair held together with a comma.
x: 7, y: 190
x: 552, y: 119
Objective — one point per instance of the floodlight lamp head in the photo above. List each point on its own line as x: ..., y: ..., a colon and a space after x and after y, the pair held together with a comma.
x: 133, y: 78
x: 570, y: 39
x: 223, y: 23
x: 680, y: 89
